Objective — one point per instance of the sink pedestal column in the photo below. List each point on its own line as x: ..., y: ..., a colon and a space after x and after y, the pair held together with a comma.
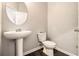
x: 19, y: 47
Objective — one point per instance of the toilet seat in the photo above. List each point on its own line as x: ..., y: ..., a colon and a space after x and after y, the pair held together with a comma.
x: 49, y: 44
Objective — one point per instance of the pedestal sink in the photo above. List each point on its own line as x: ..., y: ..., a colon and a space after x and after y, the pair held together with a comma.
x: 19, y: 39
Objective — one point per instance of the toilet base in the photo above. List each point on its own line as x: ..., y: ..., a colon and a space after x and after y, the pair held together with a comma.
x: 48, y: 51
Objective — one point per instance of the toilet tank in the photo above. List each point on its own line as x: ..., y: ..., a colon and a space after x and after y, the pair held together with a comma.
x: 41, y: 36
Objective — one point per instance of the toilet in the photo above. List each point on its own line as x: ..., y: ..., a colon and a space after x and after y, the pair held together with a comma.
x: 48, y: 46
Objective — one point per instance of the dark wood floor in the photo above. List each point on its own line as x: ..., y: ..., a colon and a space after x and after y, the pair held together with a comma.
x: 58, y: 53
x: 40, y: 53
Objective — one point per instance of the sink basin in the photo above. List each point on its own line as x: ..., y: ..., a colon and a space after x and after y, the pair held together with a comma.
x: 16, y: 35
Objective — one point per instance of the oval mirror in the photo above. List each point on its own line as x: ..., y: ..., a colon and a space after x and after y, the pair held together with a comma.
x: 16, y: 12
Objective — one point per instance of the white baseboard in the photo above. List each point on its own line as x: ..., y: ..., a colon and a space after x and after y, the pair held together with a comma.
x: 61, y: 50
x: 32, y: 50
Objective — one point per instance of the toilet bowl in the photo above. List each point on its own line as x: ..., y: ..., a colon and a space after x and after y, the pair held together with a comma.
x: 48, y: 46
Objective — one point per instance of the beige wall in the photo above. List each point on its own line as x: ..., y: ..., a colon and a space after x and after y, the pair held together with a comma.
x: 37, y: 19
x: 0, y: 25
x: 62, y: 19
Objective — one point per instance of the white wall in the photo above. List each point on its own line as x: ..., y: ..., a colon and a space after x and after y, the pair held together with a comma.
x: 62, y: 19
x: 37, y: 19
x: 0, y: 25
